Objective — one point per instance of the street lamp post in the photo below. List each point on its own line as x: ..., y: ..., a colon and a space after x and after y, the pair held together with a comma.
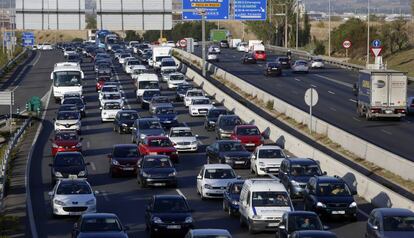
x: 203, y: 43
x: 329, y: 41
x: 297, y: 24
x: 368, y: 32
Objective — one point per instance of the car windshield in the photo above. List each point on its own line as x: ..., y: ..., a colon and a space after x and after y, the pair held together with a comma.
x: 133, y: 62
x: 195, y: 94
x: 68, y: 107
x: 219, y: 174
x: 202, y: 101
x: 176, y: 77
x: 168, y: 63
x: 216, y: 113
x: 272, y: 65
x: 149, y: 125
x: 399, y: 223
x: 150, y: 94
x: 248, y: 131
x: 164, y: 110
x: 66, y: 136
x: 159, y: 58
x: 162, y: 142
x: 148, y: 85
x: 333, y: 189
x: 125, y: 152
x: 231, y: 146
x: 112, y: 106
x: 139, y: 71
x: 157, y: 163
x: 68, y: 116
x: 160, y: 100
x: 181, y: 133
x: 270, y: 199
x: 109, y: 89
x: 111, y: 96
x: 168, y: 71
x: 76, y: 101
x: 304, y: 222
x: 231, y: 121
x: 184, y: 87
x: 271, y: 153
x: 305, y: 170
x: 259, y: 52
x: 128, y: 115
x: 68, y: 160
x: 101, y: 224
x: 301, y: 63
x: 72, y: 188
x: 67, y: 78
x: 170, y: 205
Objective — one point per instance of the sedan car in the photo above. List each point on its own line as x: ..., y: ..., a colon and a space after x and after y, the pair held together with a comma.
x: 193, y: 93
x: 300, y: 66
x: 123, y: 160
x: 212, y: 116
x: 124, y: 121
x: 199, y: 106
x: 249, y: 135
x: 157, y: 100
x: 273, y: 69
x: 231, y: 197
x: 213, y: 179
x: 229, y: 152
x: 158, y: 145
x: 68, y: 120
x: 390, y: 223
x: 174, y: 79
x: 298, y: 221
x: 213, y: 56
x: 68, y: 163
x: 72, y: 197
x: 66, y: 141
x: 112, y: 97
x: 168, y: 215
x: 166, y: 114
x: 109, y: 111
x: 183, y: 139
x: 214, y: 48
x: 156, y: 170
x: 99, y: 225
x: 248, y: 59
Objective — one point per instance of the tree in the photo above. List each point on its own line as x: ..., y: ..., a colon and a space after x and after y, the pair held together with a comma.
x: 394, y: 36
x: 305, y: 35
x: 90, y: 22
x: 132, y: 35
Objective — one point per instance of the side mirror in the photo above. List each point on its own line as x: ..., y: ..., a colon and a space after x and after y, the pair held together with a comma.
x: 96, y: 192
x: 54, y: 119
x: 50, y: 193
x: 324, y: 173
x: 197, y: 136
x: 51, y: 140
x: 282, y: 227
x: 199, y: 177
x: 238, y: 177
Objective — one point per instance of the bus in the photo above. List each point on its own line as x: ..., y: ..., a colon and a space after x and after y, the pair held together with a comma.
x: 67, y: 78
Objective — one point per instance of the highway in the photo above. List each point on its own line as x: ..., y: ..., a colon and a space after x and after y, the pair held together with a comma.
x: 124, y: 196
x: 336, y: 104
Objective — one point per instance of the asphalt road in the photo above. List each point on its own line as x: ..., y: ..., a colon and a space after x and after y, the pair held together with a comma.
x: 336, y: 104
x: 124, y: 196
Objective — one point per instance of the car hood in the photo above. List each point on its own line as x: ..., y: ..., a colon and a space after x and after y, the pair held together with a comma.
x: 219, y: 182
x: 70, y: 169
x: 106, y: 234
x: 177, y: 217
x: 124, y: 161
x: 301, y: 179
x: 242, y: 154
x: 183, y: 139
x: 249, y: 138
x: 271, y: 162
x: 66, y: 142
x: 208, y: 106
x: 78, y: 199
x: 158, y: 171
x: 339, y: 199
x: 270, y: 211
x: 64, y: 122
x: 397, y: 234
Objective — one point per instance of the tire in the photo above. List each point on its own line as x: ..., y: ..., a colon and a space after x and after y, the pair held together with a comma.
x: 250, y: 227
x: 251, y: 170
x: 119, y: 130
x: 225, y: 208
x: 143, y: 184
x: 242, y: 224
x: 201, y: 195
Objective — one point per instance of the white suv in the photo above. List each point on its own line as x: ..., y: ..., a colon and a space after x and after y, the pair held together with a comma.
x: 266, y: 159
x: 213, y: 179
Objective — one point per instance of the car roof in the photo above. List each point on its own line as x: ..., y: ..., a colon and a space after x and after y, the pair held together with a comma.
x: 266, y: 147
x: 295, y: 160
x: 217, y: 166
x: 98, y: 215
x: 204, y: 232
x: 394, y: 211
x: 329, y: 179
x: 180, y: 129
x: 265, y: 184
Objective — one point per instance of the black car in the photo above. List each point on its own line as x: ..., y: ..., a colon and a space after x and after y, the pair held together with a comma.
x: 79, y: 102
x: 298, y: 221
x: 156, y: 170
x: 123, y: 160
x: 390, y: 223
x: 330, y: 196
x: 168, y: 215
x: 248, y: 59
x: 92, y: 225
x: 68, y: 163
x: 283, y: 61
x: 147, y: 97
x: 273, y: 69
x: 74, y: 58
x: 224, y: 44
x: 156, y: 101
x: 68, y: 107
x: 124, y: 121
x: 225, y: 125
x: 181, y: 90
x: 231, y: 197
x: 212, y: 116
x: 229, y: 152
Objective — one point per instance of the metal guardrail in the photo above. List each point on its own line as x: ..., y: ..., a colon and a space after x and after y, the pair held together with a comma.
x: 12, y: 62
x: 4, y: 162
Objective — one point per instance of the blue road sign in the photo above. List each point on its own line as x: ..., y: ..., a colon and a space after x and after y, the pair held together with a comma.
x: 215, y: 9
x: 254, y: 10
x: 28, y: 39
x: 7, y: 37
x: 376, y: 43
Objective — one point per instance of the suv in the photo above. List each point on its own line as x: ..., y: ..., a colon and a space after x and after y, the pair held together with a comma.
x: 225, y: 125
x: 328, y: 196
x: 146, y: 127
x: 295, y: 173
x: 299, y: 221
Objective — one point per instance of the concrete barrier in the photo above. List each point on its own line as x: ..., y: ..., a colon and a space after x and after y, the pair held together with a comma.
x: 367, y: 188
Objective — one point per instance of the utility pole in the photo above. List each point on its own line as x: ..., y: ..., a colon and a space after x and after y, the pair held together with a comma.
x: 285, y: 13
x: 203, y: 43
x: 368, y: 32
x: 329, y: 43
x: 297, y: 24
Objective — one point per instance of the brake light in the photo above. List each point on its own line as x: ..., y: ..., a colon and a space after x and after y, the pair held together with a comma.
x: 375, y: 110
x: 399, y: 110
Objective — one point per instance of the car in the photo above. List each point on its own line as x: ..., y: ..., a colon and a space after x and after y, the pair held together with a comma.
x: 78, y: 101
x: 231, y: 197
x: 122, y: 57
x: 68, y: 107
x: 174, y: 79
x: 130, y: 65
x: 260, y: 55
x: 224, y: 44
x: 123, y: 160
x: 167, y: 215
x: 313, y: 234
x: 183, y: 139
x: 242, y: 46
x: 124, y: 121
x: 68, y: 120
x: 214, y: 48
x: 248, y: 59
x: 330, y: 196
x: 166, y: 114
x: 213, y: 56
x: 283, y: 61
x: 165, y: 73
x: 203, y: 233
x: 109, y: 111
x: 273, y: 69
x: 64, y: 141
x: 192, y: 93
x: 249, y: 135
x: 158, y: 145
x: 99, y: 225
x: 156, y: 170
x: 144, y: 127
x: 157, y: 101
x: 390, y: 223
x: 297, y: 221
x: 72, y: 197
x: 68, y: 163
x: 266, y: 159
x: 137, y: 70
x: 410, y: 105
x: 300, y: 66
x: 212, y: 116
x: 181, y: 91
x: 147, y: 96
x: 199, y: 106
x: 212, y: 180
x: 108, y: 88
x: 230, y: 152
x: 317, y: 63
x: 112, y: 97
x: 225, y: 125
x: 100, y: 82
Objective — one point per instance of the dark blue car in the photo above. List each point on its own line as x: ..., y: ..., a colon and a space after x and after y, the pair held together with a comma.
x: 231, y: 197
x: 167, y: 115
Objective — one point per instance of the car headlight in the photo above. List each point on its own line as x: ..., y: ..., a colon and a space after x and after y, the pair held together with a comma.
x: 175, y: 118
x: 319, y: 204
x: 115, y: 162
x: 208, y: 186
x: 156, y: 220
x: 124, y: 125
x: 145, y: 174
x: 211, y: 122
x: 261, y: 164
x: 172, y: 174
x: 188, y: 220
x: 257, y: 217
x: 193, y: 109
x: 294, y: 183
x: 227, y: 158
x: 57, y: 124
x: 58, y: 202
x: 174, y: 153
x: 235, y: 203
x: 82, y: 173
x: 142, y: 136
x: 58, y: 174
x: 353, y: 204
x: 91, y: 202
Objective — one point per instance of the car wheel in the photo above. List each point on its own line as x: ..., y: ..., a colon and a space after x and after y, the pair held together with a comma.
x: 119, y: 130
x: 143, y: 184
x: 152, y: 233
x: 242, y: 224
x: 114, y: 128
x: 201, y: 195
x: 225, y: 208
x: 250, y: 227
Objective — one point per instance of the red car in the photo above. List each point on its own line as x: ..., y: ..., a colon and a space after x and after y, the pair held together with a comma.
x: 248, y: 135
x: 100, y: 82
x: 66, y: 141
x: 123, y: 160
x: 259, y: 55
x: 158, y: 145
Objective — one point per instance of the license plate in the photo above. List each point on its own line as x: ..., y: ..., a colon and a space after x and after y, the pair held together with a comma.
x: 167, y: 121
x: 338, y: 212
x: 152, y: 153
x: 273, y: 170
x: 250, y: 144
x: 173, y: 227
x: 75, y: 213
x: 159, y: 184
x: 273, y: 224
x: 128, y: 169
x: 388, y: 111
x: 239, y: 162
x: 274, y: 68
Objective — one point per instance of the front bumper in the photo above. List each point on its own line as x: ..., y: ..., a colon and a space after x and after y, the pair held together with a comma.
x: 241, y: 164
x: 124, y: 169
x: 265, y: 225
x: 190, y: 147
x: 213, y: 193
x: 267, y: 170
x: 170, y: 181
x: 337, y: 211
x: 73, y: 210
x: 126, y: 129
x: 166, y: 229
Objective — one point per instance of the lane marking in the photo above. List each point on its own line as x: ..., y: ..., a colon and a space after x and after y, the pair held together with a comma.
x: 88, y: 144
x: 331, y: 92
x: 122, y: 88
x: 180, y: 193
x: 386, y: 132
x: 38, y: 58
x: 332, y: 109
x: 363, y: 213
x: 105, y: 196
x: 298, y: 80
x: 356, y: 119
x: 314, y: 86
x: 93, y: 166
x: 349, y: 85
x: 352, y: 100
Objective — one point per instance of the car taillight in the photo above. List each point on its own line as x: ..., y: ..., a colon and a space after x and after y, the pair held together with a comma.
x: 375, y: 110
x: 399, y: 110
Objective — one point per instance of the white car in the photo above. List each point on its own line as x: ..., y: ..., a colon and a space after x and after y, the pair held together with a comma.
x: 317, y: 63
x: 169, y: 43
x: 47, y: 46
x: 300, y: 66
x: 199, y: 106
x: 213, y: 179
x: 126, y: 60
x: 72, y: 197
x: 122, y: 57
x: 242, y: 46
x: 108, y: 89
x: 112, y: 97
x: 137, y: 70
x: 109, y: 111
x: 212, y: 56
x: 190, y: 94
x: 66, y: 52
x: 68, y: 120
x: 174, y: 79
x: 214, y: 49
x: 130, y: 64
x: 183, y: 139
x: 165, y: 74
x: 266, y: 159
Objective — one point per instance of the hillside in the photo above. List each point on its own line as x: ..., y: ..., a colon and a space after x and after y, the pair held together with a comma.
x: 360, y: 6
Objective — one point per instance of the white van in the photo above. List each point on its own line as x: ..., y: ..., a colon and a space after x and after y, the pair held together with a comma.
x: 67, y: 78
x: 146, y: 81
x: 262, y: 204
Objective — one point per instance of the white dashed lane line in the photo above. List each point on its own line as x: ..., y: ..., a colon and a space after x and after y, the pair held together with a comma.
x: 352, y: 100
x: 298, y: 80
x: 180, y: 193
x: 386, y: 132
x: 356, y: 119
x: 331, y: 92
x: 93, y: 166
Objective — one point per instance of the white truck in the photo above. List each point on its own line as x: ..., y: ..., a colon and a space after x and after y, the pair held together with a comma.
x: 159, y: 53
x: 234, y: 42
x: 381, y: 93
x: 252, y: 43
x: 67, y: 78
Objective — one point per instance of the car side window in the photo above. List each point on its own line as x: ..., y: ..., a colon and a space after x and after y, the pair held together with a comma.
x: 201, y: 173
x: 248, y: 198
x: 371, y: 219
x: 216, y: 146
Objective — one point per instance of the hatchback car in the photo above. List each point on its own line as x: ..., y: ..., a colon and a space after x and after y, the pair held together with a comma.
x: 212, y: 116
x: 99, y: 225
x: 123, y: 160
x: 78, y: 101
x: 225, y: 125
x: 214, y: 48
x: 199, y: 106
x: 249, y: 135
x: 248, y: 59
x: 300, y: 66
x: 230, y: 152
x: 283, y: 61
x: 273, y: 69
x: 109, y: 111
x: 112, y: 97
x: 144, y: 127
x: 297, y: 221
x: 68, y: 120
x: 124, y: 121
x: 183, y: 139
x: 168, y: 215
x: 193, y: 93
x: 213, y: 179
x: 231, y: 197
x: 66, y: 141
x: 174, y: 79
x: 156, y: 170
x: 390, y: 223
x: 317, y: 63
x: 158, y: 145
x: 213, y: 56
x: 266, y: 159
x: 68, y: 163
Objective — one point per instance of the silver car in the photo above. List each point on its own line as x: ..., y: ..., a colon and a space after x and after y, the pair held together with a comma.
x: 300, y: 66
